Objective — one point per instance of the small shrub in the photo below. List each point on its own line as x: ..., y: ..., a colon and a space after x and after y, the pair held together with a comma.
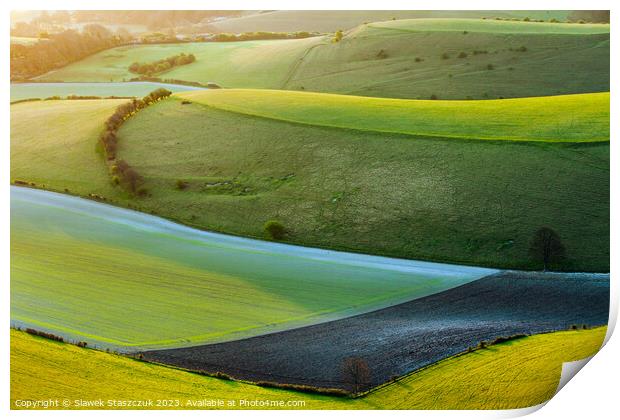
x: 462, y: 54
x: 382, y: 54
x: 526, y: 19
x: 434, y: 97
x: 418, y: 60
x: 465, y: 32
x: 181, y: 185
x: 490, y: 66
x: 499, y: 340
x: 338, y: 36
x: 274, y: 229
x: 445, y: 56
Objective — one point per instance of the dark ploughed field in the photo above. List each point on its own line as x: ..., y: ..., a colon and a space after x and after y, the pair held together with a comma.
x: 397, y: 340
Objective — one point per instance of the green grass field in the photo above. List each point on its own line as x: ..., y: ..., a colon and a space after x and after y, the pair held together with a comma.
x: 46, y: 90
x: 570, y: 118
x: 515, y: 374
x: 399, y: 59
x: 474, y: 202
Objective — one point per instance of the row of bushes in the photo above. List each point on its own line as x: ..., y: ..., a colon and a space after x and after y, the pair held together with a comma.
x: 160, y: 66
x: 144, y: 78
x: 255, y: 36
x: 43, y: 334
x: 51, y: 336
x: 122, y: 173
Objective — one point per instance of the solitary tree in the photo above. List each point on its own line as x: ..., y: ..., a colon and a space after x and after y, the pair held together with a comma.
x: 274, y: 229
x: 547, y: 247
x: 356, y: 373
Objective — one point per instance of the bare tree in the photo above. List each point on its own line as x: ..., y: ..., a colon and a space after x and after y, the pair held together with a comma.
x: 547, y: 246
x: 356, y: 373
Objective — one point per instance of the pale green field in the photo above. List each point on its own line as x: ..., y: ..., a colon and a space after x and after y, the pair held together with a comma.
x: 240, y: 64
x: 516, y: 374
x: 490, y: 25
x: 127, y: 280
x: 102, y: 89
x: 571, y: 118
x: 23, y: 40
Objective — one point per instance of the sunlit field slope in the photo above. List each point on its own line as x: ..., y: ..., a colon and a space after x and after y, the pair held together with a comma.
x: 497, y: 26
x: 53, y: 144
x: 122, y: 279
x: 515, y: 374
x: 45, y: 90
x: 475, y: 202
x: 24, y: 40
x: 332, y: 20
x: 259, y: 64
x: 576, y: 118
x: 414, y: 58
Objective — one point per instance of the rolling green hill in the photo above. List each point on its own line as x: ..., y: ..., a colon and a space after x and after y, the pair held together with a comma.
x: 415, y: 58
x: 569, y: 118
x: 459, y: 59
x: 332, y: 20
x: 515, y: 374
x: 474, y: 202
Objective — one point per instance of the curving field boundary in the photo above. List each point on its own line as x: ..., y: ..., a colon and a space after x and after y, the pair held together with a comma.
x: 400, y: 339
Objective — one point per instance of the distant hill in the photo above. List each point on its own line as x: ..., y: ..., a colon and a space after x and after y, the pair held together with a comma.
x: 333, y: 20
x: 414, y: 58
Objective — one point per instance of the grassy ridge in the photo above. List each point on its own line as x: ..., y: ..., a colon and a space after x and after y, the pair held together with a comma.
x: 390, y: 59
x: 496, y: 26
x: 515, y: 374
x: 571, y: 118
x: 332, y: 20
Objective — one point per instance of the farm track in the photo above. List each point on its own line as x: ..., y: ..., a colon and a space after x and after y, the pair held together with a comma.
x: 400, y: 339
